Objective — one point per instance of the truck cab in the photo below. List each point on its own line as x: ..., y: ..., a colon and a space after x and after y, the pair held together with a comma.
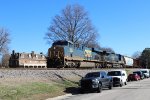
x: 95, y: 81
x: 119, y: 77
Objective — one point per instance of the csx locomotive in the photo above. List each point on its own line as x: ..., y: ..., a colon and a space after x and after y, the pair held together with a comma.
x: 65, y: 54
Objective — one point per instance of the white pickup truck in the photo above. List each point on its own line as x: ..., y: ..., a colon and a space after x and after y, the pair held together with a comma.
x: 119, y: 77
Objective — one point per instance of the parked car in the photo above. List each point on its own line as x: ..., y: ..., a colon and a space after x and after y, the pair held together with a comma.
x: 119, y: 77
x: 140, y: 73
x: 133, y: 77
x: 145, y: 72
x: 95, y: 81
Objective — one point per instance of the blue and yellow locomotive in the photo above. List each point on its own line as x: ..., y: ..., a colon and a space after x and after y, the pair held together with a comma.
x: 66, y: 54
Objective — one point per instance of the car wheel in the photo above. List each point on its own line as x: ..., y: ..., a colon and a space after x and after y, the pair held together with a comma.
x: 121, y: 84
x: 125, y: 83
x: 110, y: 86
x: 81, y: 91
x: 99, y: 90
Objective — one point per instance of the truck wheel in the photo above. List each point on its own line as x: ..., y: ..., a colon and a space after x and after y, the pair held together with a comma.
x: 81, y: 91
x: 125, y: 83
x: 99, y: 90
x: 110, y: 86
x: 121, y: 84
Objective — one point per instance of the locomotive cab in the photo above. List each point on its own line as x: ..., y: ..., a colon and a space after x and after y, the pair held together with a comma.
x: 56, y: 54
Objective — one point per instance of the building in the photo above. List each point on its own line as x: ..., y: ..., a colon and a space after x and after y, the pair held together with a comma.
x: 27, y: 60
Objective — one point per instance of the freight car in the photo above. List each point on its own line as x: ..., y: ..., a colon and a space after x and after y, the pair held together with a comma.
x: 129, y: 62
x: 66, y: 54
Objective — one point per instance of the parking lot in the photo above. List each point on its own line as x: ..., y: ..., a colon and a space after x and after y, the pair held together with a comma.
x: 135, y: 90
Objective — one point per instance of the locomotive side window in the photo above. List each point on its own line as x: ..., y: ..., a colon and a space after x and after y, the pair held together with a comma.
x: 71, y: 55
x: 77, y: 46
x: 82, y: 47
x: 70, y: 45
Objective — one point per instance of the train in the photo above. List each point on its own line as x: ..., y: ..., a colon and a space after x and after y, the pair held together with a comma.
x: 65, y: 54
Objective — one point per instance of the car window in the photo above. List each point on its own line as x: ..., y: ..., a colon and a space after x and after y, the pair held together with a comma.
x: 114, y: 73
x: 144, y: 71
x: 136, y: 72
x: 123, y: 74
x: 103, y: 74
x: 139, y: 73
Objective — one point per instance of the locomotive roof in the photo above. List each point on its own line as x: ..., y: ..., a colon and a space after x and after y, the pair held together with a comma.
x: 61, y: 42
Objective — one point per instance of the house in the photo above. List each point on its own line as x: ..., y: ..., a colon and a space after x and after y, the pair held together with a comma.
x: 27, y: 60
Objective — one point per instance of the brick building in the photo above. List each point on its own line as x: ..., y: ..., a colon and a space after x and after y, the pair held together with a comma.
x: 27, y: 60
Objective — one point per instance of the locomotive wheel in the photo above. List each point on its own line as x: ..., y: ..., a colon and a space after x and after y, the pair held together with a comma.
x: 97, y: 65
x: 77, y: 64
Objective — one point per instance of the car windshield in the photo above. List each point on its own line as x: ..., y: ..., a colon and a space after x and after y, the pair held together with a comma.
x: 131, y: 74
x: 95, y: 74
x: 137, y: 73
x: 114, y: 73
x: 144, y: 71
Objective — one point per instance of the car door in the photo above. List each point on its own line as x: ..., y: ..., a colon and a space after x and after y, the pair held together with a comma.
x: 107, y: 79
x: 104, y: 79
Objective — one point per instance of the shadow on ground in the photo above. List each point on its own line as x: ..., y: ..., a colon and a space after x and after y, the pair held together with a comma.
x: 75, y: 90
x: 72, y: 90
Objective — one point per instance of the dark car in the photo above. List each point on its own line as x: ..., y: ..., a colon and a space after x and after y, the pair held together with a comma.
x: 95, y: 81
x: 140, y: 74
x: 133, y: 77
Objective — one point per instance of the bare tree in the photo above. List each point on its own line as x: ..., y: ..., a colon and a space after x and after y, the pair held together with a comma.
x: 136, y: 54
x: 4, y: 40
x: 5, y: 60
x: 73, y: 24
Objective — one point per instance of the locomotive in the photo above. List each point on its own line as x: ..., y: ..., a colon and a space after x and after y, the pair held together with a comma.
x: 65, y: 54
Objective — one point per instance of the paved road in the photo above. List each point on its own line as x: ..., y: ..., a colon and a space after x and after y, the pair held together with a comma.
x: 133, y: 91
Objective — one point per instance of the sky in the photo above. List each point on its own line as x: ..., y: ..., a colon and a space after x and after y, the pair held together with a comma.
x: 123, y: 25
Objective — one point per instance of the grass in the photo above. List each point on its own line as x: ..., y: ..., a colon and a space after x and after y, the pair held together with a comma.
x: 30, y: 91
x: 129, y: 71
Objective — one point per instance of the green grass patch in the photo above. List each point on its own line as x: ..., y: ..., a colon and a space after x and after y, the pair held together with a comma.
x: 128, y: 71
x: 28, y: 90
x: 67, y: 83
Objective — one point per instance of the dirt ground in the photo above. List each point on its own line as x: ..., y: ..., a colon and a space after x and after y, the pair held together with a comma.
x: 22, y: 80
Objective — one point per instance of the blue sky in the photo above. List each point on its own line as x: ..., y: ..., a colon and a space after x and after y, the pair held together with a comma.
x: 123, y: 25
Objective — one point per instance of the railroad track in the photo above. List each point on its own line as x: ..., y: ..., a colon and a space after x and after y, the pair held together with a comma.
x: 61, y: 68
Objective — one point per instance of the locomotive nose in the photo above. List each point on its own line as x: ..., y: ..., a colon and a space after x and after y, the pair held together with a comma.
x: 56, y: 56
